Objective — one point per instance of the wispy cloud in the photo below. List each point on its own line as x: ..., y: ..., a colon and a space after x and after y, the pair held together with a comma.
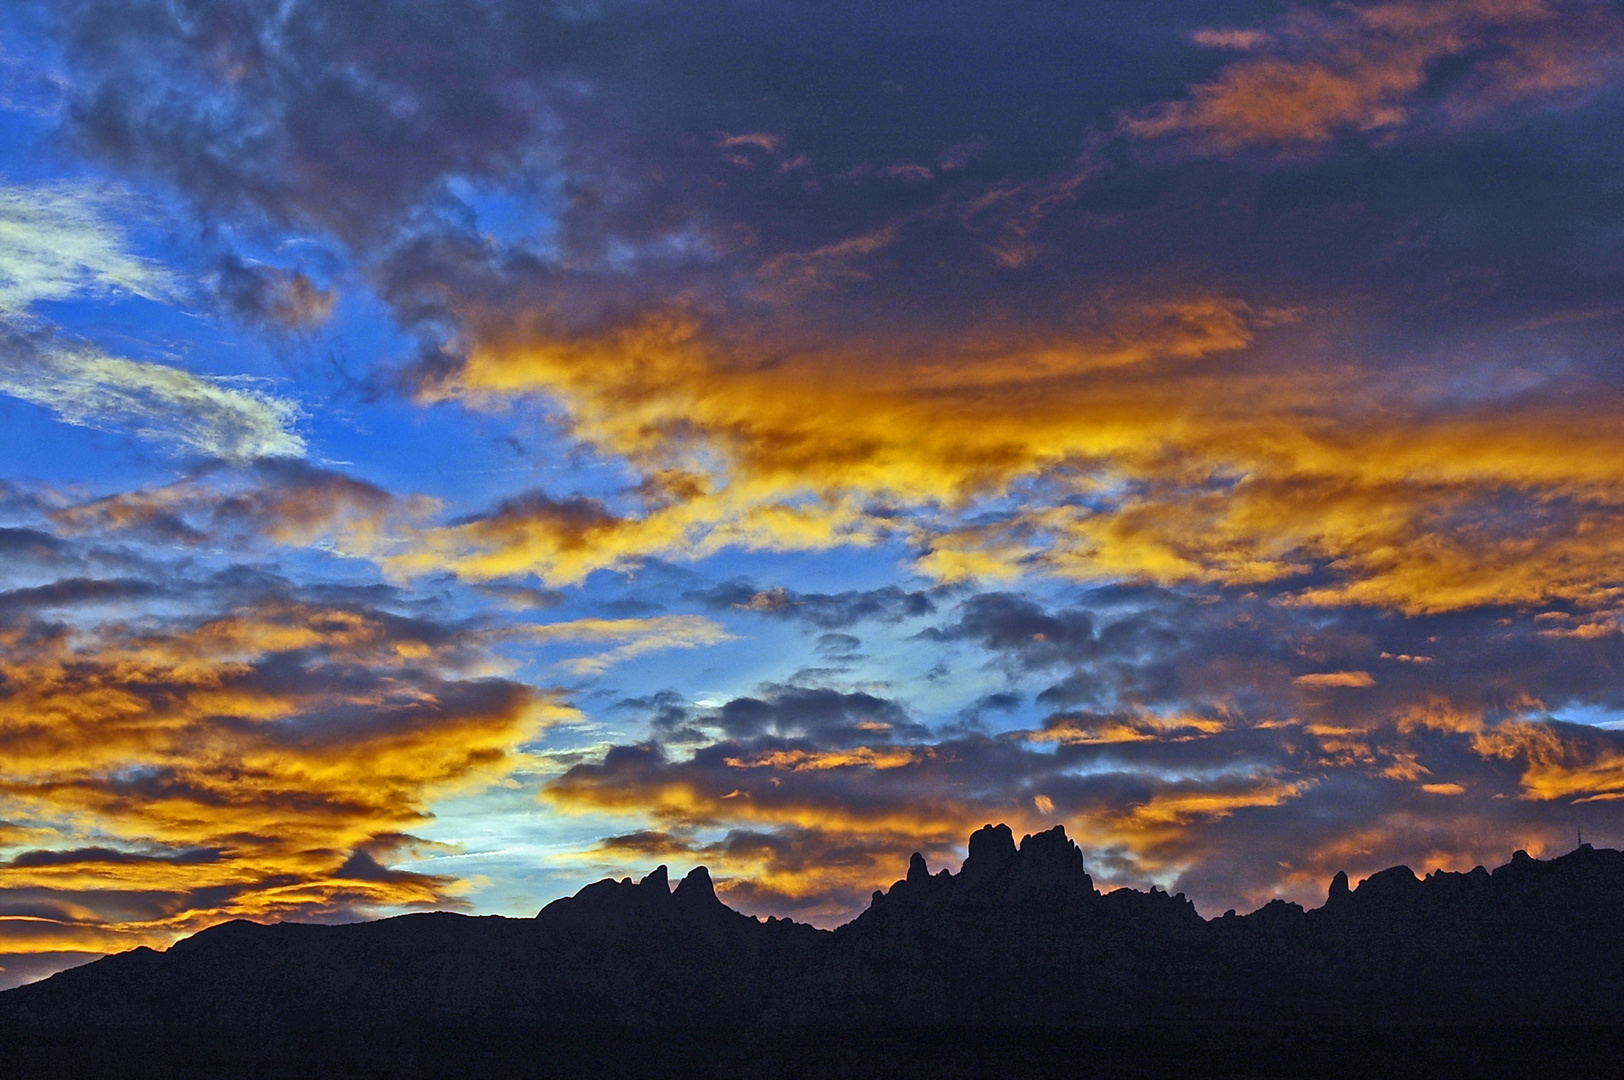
x: 189, y: 413
x: 635, y: 636
x: 58, y: 242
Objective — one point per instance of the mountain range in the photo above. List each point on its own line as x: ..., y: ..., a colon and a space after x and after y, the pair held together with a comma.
x: 1014, y: 966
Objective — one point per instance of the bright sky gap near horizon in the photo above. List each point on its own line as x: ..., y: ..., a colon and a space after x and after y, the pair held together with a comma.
x: 457, y: 451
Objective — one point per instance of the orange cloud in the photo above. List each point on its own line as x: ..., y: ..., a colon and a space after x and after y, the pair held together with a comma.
x: 1362, y: 69
x: 1153, y: 443
x: 1155, y: 446
x: 1557, y: 763
x: 1336, y: 678
x: 266, y: 763
x: 1084, y: 730
x: 884, y: 757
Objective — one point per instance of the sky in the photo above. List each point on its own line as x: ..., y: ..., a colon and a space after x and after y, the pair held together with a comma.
x: 457, y: 451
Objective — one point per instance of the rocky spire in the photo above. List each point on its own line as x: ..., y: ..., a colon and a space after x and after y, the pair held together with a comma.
x: 696, y: 890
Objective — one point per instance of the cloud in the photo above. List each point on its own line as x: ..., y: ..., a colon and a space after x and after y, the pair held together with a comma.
x: 264, y: 762
x: 823, y: 266
x: 1335, y: 678
x: 822, y: 610
x: 1206, y: 762
x: 73, y: 592
x: 189, y: 413
x: 1365, y: 68
x: 284, y: 300
x: 1135, y: 386
x: 1018, y: 626
x: 1010, y: 214
x: 269, y: 502
x: 56, y: 241
x: 802, y: 817
x: 1175, y: 653
x: 638, y: 637
x: 1276, y: 434
x: 1128, y: 455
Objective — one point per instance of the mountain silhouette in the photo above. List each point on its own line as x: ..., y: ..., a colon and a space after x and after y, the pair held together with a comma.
x: 1014, y: 966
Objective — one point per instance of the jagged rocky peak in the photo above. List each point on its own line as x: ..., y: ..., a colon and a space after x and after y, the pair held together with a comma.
x: 1050, y: 864
x: 1339, y: 891
x: 1045, y: 865
x: 1052, y: 849
x: 652, y: 895
x: 607, y: 899
x: 696, y: 889
x: 992, y: 850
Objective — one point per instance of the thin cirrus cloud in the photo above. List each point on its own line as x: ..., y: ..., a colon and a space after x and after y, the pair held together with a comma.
x: 165, y: 405
x: 56, y: 243
x: 631, y: 638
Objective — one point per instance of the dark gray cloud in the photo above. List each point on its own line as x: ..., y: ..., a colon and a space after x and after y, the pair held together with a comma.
x: 827, y: 717
x: 824, y: 611
x: 274, y: 500
x: 270, y: 297
x: 839, y: 648
x: 70, y: 592
x: 624, y: 128
x: 113, y: 856
x: 1169, y: 649
x: 1019, y: 628
x: 824, y: 717
x: 31, y: 544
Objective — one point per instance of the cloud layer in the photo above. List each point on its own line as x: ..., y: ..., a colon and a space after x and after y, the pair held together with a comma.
x: 1230, y: 754
x: 1195, y: 423
x: 266, y: 762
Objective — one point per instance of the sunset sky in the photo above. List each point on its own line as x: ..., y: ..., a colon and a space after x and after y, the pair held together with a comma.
x: 457, y: 450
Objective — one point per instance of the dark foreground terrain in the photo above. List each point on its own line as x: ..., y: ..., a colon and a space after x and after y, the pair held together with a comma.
x: 1014, y: 967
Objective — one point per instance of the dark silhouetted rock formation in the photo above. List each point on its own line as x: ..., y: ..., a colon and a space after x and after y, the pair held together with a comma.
x: 1016, y: 950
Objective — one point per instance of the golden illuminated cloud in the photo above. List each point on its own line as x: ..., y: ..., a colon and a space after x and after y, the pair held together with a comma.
x: 1159, y: 447
x: 264, y: 763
